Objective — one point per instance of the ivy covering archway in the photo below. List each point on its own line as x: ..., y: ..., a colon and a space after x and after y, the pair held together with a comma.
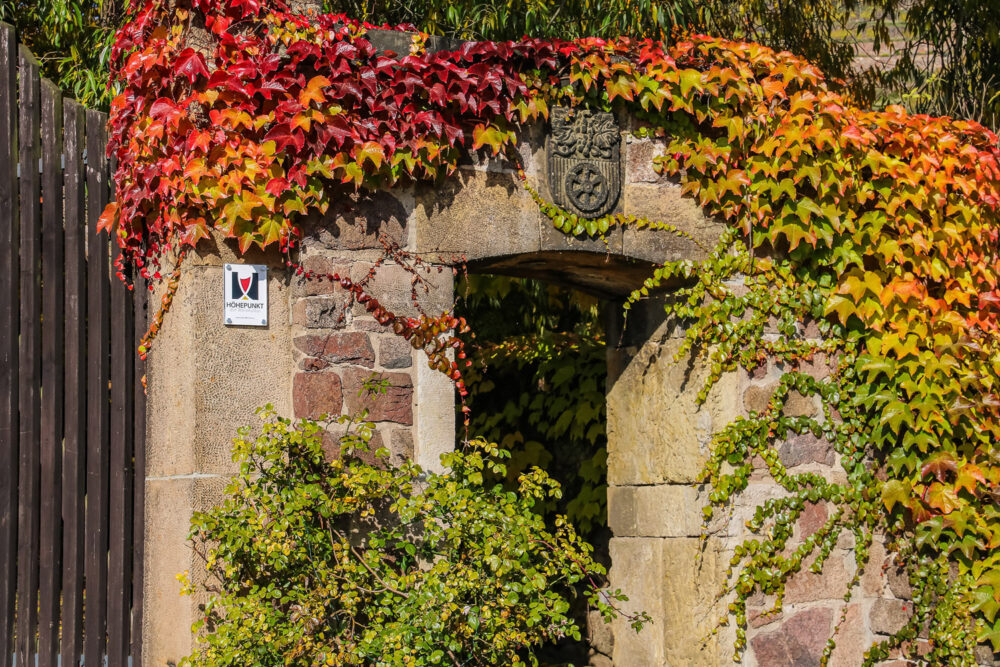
x: 880, y: 227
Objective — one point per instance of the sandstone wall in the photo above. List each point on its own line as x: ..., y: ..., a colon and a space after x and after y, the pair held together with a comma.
x: 206, y: 379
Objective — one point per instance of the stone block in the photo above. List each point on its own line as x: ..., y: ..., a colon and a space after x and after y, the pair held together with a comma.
x: 360, y: 221
x: 395, y: 287
x: 396, y: 405
x: 395, y: 352
x: 889, y: 616
x: 805, y: 448
x: 639, y: 154
x: 757, y: 396
x: 351, y: 347
x: 599, y: 634
x: 797, y: 641
x: 853, y: 639
x: 478, y: 215
x: 829, y: 584
x: 664, y: 203
x: 434, y: 414
x: 675, y: 580
x: 663, y: 510
x: 321, y: 312
x: 657, y: 432
x: 899, y: 581
x: 315, y: 395
x: 322, y: 266
x: 872, y: 579
x: 555, y: 240
x: 813, y: 517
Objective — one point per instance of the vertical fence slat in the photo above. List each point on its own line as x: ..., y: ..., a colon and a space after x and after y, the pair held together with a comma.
x: 31, y: 359
x: 120, y: 551
x: 50, y: 533
x: 98, y: 406
x: 139, y: 490
x: 9, y: 315
x: 74, y: 454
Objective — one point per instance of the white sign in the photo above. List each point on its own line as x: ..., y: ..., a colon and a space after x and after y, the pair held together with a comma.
x: 245, y: 295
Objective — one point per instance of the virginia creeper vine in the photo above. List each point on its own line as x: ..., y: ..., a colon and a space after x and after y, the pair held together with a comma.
x: 880, y: 227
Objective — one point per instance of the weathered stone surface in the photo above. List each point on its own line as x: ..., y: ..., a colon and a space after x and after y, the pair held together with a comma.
x: 639, y: 154
x: 757, y: 396
x: 889, y: 616
x: 396, y: 405
x: 985, y: 655
x: 394, y: 288
x: 798, y: 642
x: 320, y: 312
x: 657, y: 432
x: 352, y: 347
x: 675, y: 580
x: 899, y: 581
x: 805, y: 448
x: 206, y: 380
x: 319, y: 283
x: 853, y: 639
x: 830, y: 584
x: 664, y: 510
x: 462, y: 216
x: 599, y: 634
x: 872, y: 580
x: 395, y: 352
x: 434, y: 414
x: 359, y: 221
x: 798, y: 405
x: 813, y: 517
x: 664, y: 203
x: 317, y: 394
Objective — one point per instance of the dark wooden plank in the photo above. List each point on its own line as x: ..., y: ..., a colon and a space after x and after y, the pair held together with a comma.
x: 139, y: 457
x: 120, y: 506
x: 74, y: 445
x: 30, y: 358
x: 53, y: 287
x: 98, y: 403
x: 9, y: 318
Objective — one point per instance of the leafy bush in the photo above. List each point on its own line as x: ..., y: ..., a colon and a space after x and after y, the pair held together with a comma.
x: 316, y: 560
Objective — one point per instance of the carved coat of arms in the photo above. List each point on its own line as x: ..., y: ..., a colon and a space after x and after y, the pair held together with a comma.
x: 584, y: 161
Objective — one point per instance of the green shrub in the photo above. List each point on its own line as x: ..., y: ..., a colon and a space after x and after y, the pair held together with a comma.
x: 317, y: 560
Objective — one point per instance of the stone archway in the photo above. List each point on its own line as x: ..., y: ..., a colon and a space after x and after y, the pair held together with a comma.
x: 205, y: 380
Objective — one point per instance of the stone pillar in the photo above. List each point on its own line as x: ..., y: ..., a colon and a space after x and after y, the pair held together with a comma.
x: 204, y: 381
x: 658, y: 439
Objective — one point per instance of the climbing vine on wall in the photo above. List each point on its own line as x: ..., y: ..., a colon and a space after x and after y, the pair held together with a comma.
x: 878, y: 227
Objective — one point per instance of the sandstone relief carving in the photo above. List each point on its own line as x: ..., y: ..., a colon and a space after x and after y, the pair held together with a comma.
x: 584, y: 161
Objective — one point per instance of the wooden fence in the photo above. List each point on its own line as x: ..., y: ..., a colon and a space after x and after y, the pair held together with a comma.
x: 72, y: 410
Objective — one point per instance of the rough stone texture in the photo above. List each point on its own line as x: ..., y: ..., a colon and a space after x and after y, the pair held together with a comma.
x: 396, y: 405
x: 394, y: 352
x: 806, y: 448
x: 360, y: 221
x: 599, y: 634
x: 205, y: 380
x: 664, y: 510
x: 798, y: 642
x: 434, y: 404
x: 853, y: 639
x: 888, y: 616
x: 315, y: 395
x: 669, y: 578
x: 757, y: 397
x: 899, y: 581
x: 657, y: 432
x: 813, y: 517
x: 830, y: 584
x: 393, y: 286
x: 320, y: 312
x: 351, y: 347
x: 462, y: 215
x: 639, y: 154
x: 664, y: 203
